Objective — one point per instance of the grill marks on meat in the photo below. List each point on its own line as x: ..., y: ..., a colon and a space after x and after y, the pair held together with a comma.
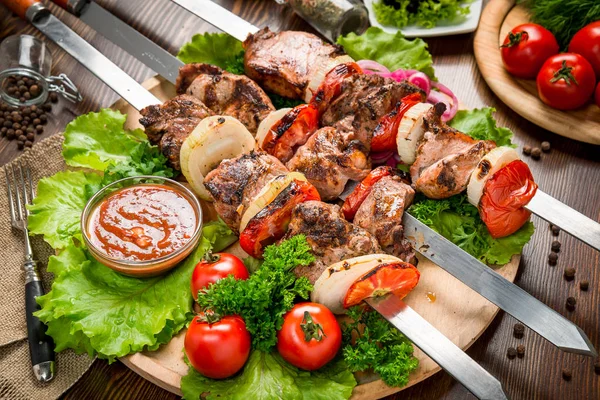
x: 330, y: 236
x: 445, y: 158
x: 236, y: 182
x: 169, y: 124
x: 381, y: 215
x: 225, y: 93
x: 284, y: 62
x: 329, y: 159
x: 363, y: 100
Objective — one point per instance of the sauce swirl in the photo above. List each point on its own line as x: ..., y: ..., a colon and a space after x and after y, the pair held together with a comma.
x: 143, y: 222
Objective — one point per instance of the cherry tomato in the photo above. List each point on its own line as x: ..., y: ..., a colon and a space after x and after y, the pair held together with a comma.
x: 214, y: 267
x: 270, y: 224
x: 310, y: 336
x: 566, y: 81
x: 217, y: 349
x: 291, y: 131
x: 586, y: 42
x: 331, y: 86
x: 526, y: 48
x: 360, y: 192
x: 384, y: 136
x: 504, y: 196
x: 597, y: 95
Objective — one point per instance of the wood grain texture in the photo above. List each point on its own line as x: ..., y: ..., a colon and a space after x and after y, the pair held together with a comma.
x: 499, y: 17
x: 570, y: 172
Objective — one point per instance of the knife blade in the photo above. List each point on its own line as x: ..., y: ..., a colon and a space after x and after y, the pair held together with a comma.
x: 438, y: 347
x: 219, y: 17
x: 124, y: 85
x: 571, y: 221
x: 112, y: 28
x: 506, y: 295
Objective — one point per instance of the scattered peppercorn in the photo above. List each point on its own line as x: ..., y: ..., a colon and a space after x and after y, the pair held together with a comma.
x: 527, y: 150
x: 552, y: 258
x: 555, y: 246
x: 511, y: 353
x: 536, y: 153
x: 569, y: 273
x: 520, y: 351
x: 20, y: 145
x: 28, y: 144
x: 30, y: 136
x: 53, y: 97
x: 518, y: 331
x: 545, y: 147
x: 571, y: 302
x: 555, y: 230
x: 584, y: 285
x: 566, y: 374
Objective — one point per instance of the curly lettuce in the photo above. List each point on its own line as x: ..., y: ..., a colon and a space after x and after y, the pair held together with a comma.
x: 423, y: 13
x: 480, y: 124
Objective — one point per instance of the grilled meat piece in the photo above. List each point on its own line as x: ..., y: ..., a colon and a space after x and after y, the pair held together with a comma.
x: 330, y: 236
x: 445, y: 157
x: 169, y: 124
x: 329, y: 159
x: 225, y: 93
x: 236, y: 182
x: 284, y: 62
x: 364, y: 99
x: 381, y: 215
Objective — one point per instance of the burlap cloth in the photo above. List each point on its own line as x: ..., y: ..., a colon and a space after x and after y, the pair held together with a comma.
x: 16, y: 377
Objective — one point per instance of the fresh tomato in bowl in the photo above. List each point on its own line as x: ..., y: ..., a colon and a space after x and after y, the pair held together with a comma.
x: 217, y: 348
x: 214, y: 267
x: 566, y: 81
x: 310, y: 336
x: 586, y: 42
x: 526, y: 48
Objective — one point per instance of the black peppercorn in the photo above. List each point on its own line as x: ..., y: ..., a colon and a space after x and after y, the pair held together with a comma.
x: 527, y: 150
x: 28, y: 144
x: 47, y: 107
x: 569, y: 273
x: 26, y: 111
x: 53, y: 97
x: 536, y: 153
x: 20, y: 82
x: 30, y: 129
x: 39, y: 128
x: 43, y: 118
x: 555, y: 246
x: 16, y: 125
x: 27, y: 95
x: 8, y: 124
x: 30, y: 136
x: 584, y: 285
x: 552, y: 258
x: 566, y: 375
x: 37, y: 121
x: 555, y: 230
x: 22, y: 138
x: 34, y: 108
x: 20, y: 145
x: 518, y: 331
x: 35, y: 90
x: 520, y: 351
x: 570, y: 304
x: 33, y: 115
x: 10, y: 134
x: 19, y: 132
x: 545, y: 147
x: 511, y: 353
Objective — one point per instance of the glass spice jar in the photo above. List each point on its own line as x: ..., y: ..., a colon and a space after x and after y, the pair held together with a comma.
x: 25, y: 78
x: 332, y: 18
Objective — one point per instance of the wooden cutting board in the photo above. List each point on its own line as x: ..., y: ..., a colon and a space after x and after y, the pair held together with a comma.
x: 456, y: 311
x: 497, y: 19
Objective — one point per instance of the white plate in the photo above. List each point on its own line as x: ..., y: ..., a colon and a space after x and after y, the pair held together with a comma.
x: 469, y: 24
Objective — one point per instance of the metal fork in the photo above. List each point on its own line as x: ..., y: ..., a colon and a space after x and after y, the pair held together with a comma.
x: 41, y: 347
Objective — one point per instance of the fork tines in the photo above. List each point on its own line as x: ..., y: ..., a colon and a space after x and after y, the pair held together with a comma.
x: 20, y: 193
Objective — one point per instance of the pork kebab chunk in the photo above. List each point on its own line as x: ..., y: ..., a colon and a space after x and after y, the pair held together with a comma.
x: 329, y: 159
x: 225, y: 93
x: 381, y: 214
x: 236, y: 182
x: 363, y: 100
x: 169, y: 124
x: 284, y: 62
x: 445, y: 157
x: 330, y: 236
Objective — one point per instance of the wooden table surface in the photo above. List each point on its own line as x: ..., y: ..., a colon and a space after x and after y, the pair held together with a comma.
x: 570, y: 172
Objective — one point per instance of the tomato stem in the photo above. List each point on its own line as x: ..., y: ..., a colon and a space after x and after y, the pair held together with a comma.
x: 311, y: 329
x: 515, y: 38
x: 209, y: 317
x: 564, y: 73
x: 211, y: 258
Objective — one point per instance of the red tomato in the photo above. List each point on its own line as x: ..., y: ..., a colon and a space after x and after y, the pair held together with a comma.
x: 219, y: 349
x: 525, y: 49
x: 271, y: 223
x: 384, y: 136
x: 331, y: 86
x: 310, y: 336
x: 214, y: 267
x: 360, y: 192
x: 597, y: 95
x: 566, y: 81
x: 504, y: 196
x: 587, y: 43
x: 291, y: 131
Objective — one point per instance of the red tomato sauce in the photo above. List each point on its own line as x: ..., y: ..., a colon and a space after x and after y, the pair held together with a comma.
x: 141, y: 223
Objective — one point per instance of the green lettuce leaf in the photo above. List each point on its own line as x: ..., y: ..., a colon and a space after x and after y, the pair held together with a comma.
x: 94, y: 309
x: 56, y: 210
x: 96, y: 140
x: 267, y: 376
x: 480, y: 124
x: 391, y: 50
x: 218, y: 49
x: 458, y: 221
x: 427, y: 14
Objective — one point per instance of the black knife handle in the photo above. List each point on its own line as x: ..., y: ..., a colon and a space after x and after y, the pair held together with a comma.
x: 41, y: 346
